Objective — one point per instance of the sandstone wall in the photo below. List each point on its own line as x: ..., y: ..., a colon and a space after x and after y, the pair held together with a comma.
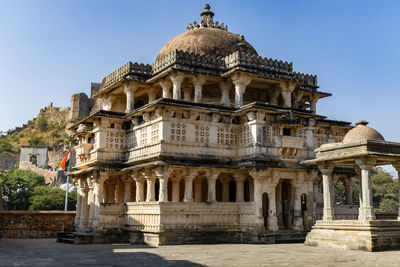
x: 47, y: 174
x: 35, y: 224
x: 8, y: 162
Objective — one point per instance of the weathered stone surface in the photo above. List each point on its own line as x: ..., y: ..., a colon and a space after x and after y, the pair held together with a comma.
x: 35, y: 224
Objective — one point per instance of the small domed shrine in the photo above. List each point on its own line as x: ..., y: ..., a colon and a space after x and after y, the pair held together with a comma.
x: 207, y: 144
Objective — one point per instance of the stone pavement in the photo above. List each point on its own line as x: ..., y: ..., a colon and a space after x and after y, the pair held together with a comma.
x: 46, y: 252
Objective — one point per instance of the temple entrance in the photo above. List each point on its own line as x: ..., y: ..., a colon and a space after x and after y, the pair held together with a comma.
x: 33, y: 159
x: 265, y: 202
x: 285, y: 204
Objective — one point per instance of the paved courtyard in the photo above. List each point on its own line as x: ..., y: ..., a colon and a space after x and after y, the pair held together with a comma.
x: 46, y: 252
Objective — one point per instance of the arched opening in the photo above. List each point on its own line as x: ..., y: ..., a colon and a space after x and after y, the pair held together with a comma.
x: 265, y: 203
x: 157, y: 189
x: 133, y: 192
x: 181, y: 190
x: 232, y: 191
x: 284, y: 204
x: 33, y: 159
x: 204, y: 190
x: 218, y: 190
x: 246, y: 188
x: 169, y: 190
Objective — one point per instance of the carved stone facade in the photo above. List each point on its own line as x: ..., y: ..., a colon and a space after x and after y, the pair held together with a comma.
x: 201, y: 147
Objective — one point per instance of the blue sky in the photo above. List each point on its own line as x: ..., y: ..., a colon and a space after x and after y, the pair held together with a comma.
x: 52, y: 49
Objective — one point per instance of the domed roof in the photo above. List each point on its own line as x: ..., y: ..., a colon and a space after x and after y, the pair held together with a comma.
x: 208, y: 38
x: 362, y: 132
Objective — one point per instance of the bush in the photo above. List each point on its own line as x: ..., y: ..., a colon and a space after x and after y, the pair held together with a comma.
x: 49, y: 198
x: 41, y: 123
x: 37, y: 141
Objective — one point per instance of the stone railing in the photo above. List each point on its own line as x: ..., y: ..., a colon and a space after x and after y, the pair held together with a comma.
x: 111, y: 216
x: 216, y: 66
x: 170, y: 216
x: 342, y: 212
x: 122, y: 72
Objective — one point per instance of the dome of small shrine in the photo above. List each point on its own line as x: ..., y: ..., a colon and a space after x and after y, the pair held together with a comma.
x: 362, y: 132
x: 207, y: 38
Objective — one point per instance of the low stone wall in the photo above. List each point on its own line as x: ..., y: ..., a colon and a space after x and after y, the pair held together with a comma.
x: 342, y: 212
x: 35, y: 224
x: 47, y: 174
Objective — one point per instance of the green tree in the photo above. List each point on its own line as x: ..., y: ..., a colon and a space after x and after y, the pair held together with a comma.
x: 384, y: 191
x: 49, y: 198
x: 17, y: 186
x: 340, y: 193
x: 6, y: 148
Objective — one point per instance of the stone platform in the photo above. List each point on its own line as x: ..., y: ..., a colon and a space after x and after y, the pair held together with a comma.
x: 375, y: 235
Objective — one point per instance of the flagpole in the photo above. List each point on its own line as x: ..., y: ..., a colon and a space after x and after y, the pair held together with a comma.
x: 67, y: 187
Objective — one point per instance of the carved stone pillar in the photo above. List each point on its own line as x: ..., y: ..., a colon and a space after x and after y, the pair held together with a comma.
x: 360, y: 196
x: 259, y: 218
x: 84, y: 205
x: 162, y: 175
x: 396, y: 165
x: 176, y: 85
x: 368, y: 208
x: 91, y: 202
x: 166, y: 89
x: 272, y: 220
x: 239, y: 179
x: 329, y: 212
x: 127, y: 190
x: 198, y: 83
x: 129, y: 90
x: 197, y: 190
x: 309, y: 133
x: 188, y: 188
x: 139, y: 188
x: 176, y: 182
x: 151, y: 188
x: 240, y: 82
x: 349, y: 190
x: 98, y: 185
x: 274, y: 96
x: 287, y: 90
x: 78, y: 205
x: 225, y: 88
x: 211, y: 179
x: 298, y: 218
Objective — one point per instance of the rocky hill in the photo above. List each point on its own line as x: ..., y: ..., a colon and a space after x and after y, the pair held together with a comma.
x: 47, y: 129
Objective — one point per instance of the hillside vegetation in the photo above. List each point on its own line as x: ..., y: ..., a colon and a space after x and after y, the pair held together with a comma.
x: 48, y: 129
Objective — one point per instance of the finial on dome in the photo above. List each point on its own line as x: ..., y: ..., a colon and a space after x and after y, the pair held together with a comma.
x: 207, y: 12
x: 207, y: 21
x: 362, y: 122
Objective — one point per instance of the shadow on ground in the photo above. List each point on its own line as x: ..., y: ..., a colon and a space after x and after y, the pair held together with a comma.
x: 46, y: 252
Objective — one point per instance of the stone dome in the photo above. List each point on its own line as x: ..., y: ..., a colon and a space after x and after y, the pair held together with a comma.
x: 207, y: 38
x: 362, y: 132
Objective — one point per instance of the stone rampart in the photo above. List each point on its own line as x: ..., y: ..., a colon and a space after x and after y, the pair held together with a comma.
x: 35, y: 224
x: 8, y: 162
x: 47, y: 174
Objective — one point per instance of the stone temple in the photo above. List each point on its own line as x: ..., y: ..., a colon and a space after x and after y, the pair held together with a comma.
x: 207, y: 144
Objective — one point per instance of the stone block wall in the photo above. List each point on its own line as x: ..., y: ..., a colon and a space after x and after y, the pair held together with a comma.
x: 47, y: 174
x: 35, y: 224
x: 8, y: 162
